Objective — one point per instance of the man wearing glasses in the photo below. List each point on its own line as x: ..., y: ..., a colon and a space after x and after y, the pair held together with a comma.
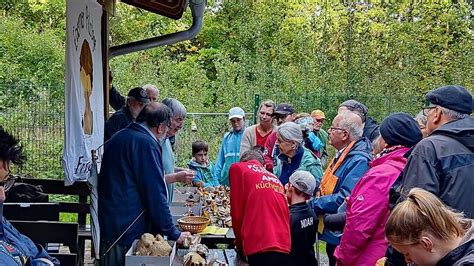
x: 353, y: 153
x: 15, y: 248
x: 443, y: 162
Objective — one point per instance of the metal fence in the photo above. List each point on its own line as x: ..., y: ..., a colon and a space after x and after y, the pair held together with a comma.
x: 35, y: 114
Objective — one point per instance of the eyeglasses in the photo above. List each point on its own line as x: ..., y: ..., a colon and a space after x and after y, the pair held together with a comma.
x: 336, y: 128
x: 319, y: 120
x: 8, y: 182
x: 426, y: 109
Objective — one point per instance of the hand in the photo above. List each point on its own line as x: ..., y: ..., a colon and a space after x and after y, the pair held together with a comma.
x: 198, y: 184
x: 185, y: 176
x: 182, y: 236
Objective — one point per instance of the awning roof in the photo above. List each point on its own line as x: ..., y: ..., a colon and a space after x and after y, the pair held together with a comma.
x: 169, y: 8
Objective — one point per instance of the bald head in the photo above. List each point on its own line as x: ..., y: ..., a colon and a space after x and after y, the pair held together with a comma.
x: 152, y: 92
x: 154, y: 114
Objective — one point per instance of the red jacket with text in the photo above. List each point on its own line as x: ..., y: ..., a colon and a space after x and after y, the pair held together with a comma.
x: 259, y: 210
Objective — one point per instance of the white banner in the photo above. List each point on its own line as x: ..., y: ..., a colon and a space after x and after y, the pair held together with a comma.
x: 84, y: 105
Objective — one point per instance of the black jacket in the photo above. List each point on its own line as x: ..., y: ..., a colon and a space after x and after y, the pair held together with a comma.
x: 303, y: 225
x: 119, y: 120
x: 443, y: 163
x: 116, y: 100
x: 463, y: 254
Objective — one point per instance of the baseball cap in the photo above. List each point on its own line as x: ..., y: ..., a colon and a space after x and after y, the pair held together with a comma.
x: 318, y: 114
x: 358, y: 107
x: 284, y: 109
x: 236, y: 112
x: 304, y: 181
x: 139, y: 94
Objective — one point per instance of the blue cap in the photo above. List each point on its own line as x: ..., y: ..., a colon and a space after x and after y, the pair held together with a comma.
x: 236, y: 112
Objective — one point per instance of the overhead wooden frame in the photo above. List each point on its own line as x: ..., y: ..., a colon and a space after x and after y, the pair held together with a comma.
x: 169, y: 8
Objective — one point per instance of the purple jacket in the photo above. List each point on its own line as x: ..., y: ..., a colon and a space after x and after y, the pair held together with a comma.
x: 363, y: 242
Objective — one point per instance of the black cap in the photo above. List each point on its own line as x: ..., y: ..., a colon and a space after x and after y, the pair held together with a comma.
x: 284, y: 109
x: 452, y: 97
x: 400, y: 129
x: 139, y: 94
x: 356, y: 106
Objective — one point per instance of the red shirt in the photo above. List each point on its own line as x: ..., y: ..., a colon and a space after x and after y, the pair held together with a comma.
x: 269, y: 146
x: 259, y: 210
x: 261, y: 139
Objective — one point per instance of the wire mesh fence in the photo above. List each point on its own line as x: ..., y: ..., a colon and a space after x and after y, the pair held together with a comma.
x: 35, y: 114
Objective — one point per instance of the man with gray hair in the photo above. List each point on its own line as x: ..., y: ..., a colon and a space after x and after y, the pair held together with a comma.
x: 353, y: 153
x: 172, y: 173
x: 443, y: 162
x: 371, y: 129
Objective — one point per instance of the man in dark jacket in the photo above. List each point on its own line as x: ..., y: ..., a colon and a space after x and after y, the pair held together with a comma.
x: 443, y: 163
x: 132, y: 190
x: 136, y: 100
x: 371, y: 129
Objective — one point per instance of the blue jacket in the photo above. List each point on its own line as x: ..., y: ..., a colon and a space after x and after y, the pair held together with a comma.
x: 204, y: 173
x: 229, y: 153
x: 351, y: 170
x: 131, y: 180
x: 18, y: 249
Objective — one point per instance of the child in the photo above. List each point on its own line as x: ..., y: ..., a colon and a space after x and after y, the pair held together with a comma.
x: 303, y: 220
x: 201, y: 164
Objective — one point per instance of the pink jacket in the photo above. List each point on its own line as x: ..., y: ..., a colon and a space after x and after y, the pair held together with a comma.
x: 363, y: 242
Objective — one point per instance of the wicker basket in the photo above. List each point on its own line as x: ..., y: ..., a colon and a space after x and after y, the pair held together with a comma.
x: 193, y: 224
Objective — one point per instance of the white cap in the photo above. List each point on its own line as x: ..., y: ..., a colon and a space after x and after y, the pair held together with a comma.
x: 236, y: 112
x: 304, y: 181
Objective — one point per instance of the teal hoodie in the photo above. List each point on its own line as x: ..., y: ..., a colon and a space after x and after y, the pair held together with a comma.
x: 204, y: 173
x: 229, y: 153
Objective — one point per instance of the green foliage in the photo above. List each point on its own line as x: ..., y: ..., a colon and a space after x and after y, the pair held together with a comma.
x: 313, y: 54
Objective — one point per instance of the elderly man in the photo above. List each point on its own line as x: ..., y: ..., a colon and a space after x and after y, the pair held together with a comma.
x: 350, y: 164
x: 136, y: 100
x: 258, y: 133
x: 229, y: 152
x: 318, y: 120
x: 173, y: 174
x: 443, y: 162
x: 132, y: 191
x: 371, y: 129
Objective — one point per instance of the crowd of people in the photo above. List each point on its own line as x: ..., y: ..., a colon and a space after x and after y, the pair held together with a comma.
x: 393, y: 194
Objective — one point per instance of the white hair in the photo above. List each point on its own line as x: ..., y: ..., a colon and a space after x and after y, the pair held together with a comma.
x: 291, y: 131
x: 453, y: 115
x: 352, y: 123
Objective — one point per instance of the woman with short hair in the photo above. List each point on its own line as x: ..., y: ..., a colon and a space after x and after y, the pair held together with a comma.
x: 293, y: 155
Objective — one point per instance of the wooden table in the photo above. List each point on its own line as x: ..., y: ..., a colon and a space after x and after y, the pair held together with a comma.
x: 228, y: 256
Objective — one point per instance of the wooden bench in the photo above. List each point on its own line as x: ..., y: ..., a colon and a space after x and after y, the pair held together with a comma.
x: 48, y: 211
x: 45, y: 232
x: 80, y: 207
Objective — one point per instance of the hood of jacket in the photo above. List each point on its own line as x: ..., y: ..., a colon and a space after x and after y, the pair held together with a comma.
x: 462, y: 130
x: 193, y: 163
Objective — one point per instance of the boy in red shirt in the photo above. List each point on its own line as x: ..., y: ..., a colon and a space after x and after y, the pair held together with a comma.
x: 259, y: 210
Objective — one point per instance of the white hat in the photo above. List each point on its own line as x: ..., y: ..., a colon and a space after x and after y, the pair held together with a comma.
x: 236, y: 112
